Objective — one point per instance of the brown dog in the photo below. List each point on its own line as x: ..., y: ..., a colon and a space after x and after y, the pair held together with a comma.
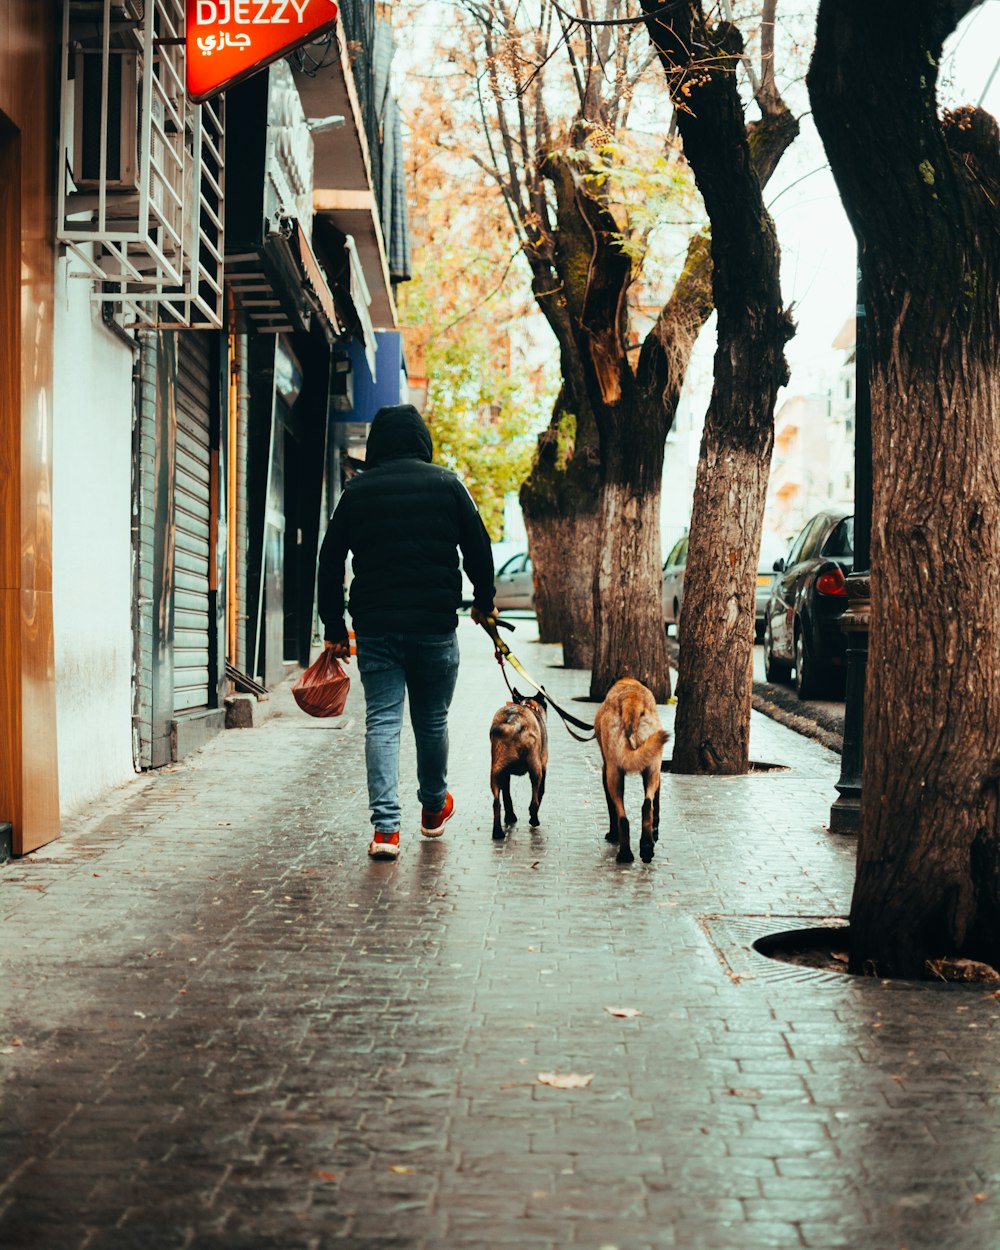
x: 628, y: 731
x: 519, y: 744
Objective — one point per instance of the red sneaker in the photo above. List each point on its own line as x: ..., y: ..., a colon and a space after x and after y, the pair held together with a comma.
x: 384, y: 846
x: 432, y: 823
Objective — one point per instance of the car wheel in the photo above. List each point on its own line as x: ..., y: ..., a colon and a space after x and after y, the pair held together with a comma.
x: 774, y: 669
x: 809, y: 681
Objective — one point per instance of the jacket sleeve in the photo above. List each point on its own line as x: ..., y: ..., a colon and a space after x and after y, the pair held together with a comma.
x: 332, y: 565
x: 477, y: 554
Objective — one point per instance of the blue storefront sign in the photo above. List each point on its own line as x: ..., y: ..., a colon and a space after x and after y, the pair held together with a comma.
x: 386, y: 387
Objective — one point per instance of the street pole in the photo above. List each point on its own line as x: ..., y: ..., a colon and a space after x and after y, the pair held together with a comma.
x: 846, y: 809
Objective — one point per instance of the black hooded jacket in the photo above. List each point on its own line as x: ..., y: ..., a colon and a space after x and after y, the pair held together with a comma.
x: 404, y: 519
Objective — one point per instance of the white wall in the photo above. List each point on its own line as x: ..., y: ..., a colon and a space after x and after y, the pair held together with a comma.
x: 91, y: 546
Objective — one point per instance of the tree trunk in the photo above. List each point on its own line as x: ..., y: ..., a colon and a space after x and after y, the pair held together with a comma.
x: 559, y: 499
x: 559, y: 504
x: 630, y: 640
x: 717, y: 614
x: 563, y: 553
x: 921, y: 196
x: 715, y: 679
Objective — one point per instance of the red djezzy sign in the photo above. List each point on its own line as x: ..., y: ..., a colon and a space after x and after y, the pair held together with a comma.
x: 228, y: 40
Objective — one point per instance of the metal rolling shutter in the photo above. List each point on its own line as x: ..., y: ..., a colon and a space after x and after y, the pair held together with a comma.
x: 191, y: 518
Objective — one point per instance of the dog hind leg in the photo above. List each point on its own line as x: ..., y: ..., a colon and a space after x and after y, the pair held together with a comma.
x: 537, y: 792
x: 509, y: 816
x: 656, y: 808
x: 616, y: 797
x: 612, y: 833
x: 498, y: 832
x: 650, y: 780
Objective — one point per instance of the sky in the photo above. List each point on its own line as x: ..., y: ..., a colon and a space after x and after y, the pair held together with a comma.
x: 818, y: 249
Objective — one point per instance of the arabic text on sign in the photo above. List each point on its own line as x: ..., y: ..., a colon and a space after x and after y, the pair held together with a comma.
x: 211, y: 43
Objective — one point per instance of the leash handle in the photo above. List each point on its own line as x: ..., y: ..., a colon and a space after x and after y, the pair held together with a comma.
x: 492, y: 625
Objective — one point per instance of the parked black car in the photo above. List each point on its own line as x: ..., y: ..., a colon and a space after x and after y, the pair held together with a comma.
x: 808, y: 597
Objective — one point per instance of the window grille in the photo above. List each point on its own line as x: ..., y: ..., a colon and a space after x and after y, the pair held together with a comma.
x: 141, y: 197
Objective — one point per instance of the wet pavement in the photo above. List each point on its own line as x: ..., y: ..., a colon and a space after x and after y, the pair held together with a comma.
x: 222, y: 1026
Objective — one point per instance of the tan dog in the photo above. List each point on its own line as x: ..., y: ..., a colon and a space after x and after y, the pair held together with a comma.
x: 628, y: 731
x: 519, y: 744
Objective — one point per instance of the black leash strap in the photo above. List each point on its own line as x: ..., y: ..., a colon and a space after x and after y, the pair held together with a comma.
x: 504, y: 654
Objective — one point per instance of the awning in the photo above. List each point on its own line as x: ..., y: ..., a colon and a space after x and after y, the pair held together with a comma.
x: 316, y: 285
x: 281, y: 288
x: 361, y: 299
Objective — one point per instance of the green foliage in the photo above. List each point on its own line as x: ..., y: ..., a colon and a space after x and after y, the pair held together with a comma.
x: 483, y: 413
x: 483, y: 423
x: 646, y: 188
x: 566, y: 439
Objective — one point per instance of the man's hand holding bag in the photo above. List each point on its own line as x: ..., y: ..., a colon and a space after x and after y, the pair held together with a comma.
x: 322, y: 688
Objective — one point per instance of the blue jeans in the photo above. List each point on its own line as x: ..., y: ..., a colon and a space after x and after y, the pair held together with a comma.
x: 426, y: 666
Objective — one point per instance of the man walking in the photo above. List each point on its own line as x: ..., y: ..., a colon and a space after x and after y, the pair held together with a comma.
x: 404, y: 519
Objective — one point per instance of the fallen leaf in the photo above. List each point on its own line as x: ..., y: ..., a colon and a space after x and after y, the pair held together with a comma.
x: 623, y: 1013
x: 325, y: 1176
x: 566, y: 1080
x: 402, y: 1170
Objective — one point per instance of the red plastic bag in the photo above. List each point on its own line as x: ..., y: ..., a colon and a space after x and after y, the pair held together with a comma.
x: 322, y: 688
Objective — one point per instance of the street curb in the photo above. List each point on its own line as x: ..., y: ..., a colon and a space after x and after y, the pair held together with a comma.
x: 763, y: 700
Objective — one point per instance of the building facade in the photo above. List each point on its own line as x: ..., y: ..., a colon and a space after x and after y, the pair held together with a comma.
x: 204, y: 296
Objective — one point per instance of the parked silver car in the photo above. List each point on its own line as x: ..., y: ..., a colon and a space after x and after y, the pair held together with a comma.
x: 515, y: 584
x: 770, y: 552
x: 673, y: 583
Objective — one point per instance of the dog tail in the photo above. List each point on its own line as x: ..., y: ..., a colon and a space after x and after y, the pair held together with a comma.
x: 638, y: 756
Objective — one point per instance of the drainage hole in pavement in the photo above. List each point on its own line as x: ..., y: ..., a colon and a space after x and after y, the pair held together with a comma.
x: 827, y: 948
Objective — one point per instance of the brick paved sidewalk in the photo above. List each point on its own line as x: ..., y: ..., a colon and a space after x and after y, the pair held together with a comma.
x: 223, y: 1027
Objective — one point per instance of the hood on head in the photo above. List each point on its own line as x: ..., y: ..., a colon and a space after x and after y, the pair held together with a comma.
x: 398, y: 432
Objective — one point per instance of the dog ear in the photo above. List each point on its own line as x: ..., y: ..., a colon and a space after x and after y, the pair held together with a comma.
x: 540, y: 699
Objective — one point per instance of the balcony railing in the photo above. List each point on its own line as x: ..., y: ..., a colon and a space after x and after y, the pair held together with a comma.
x: 141, y: 195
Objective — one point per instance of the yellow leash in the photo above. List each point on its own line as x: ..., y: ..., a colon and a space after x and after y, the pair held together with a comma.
x: 504, y: 654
